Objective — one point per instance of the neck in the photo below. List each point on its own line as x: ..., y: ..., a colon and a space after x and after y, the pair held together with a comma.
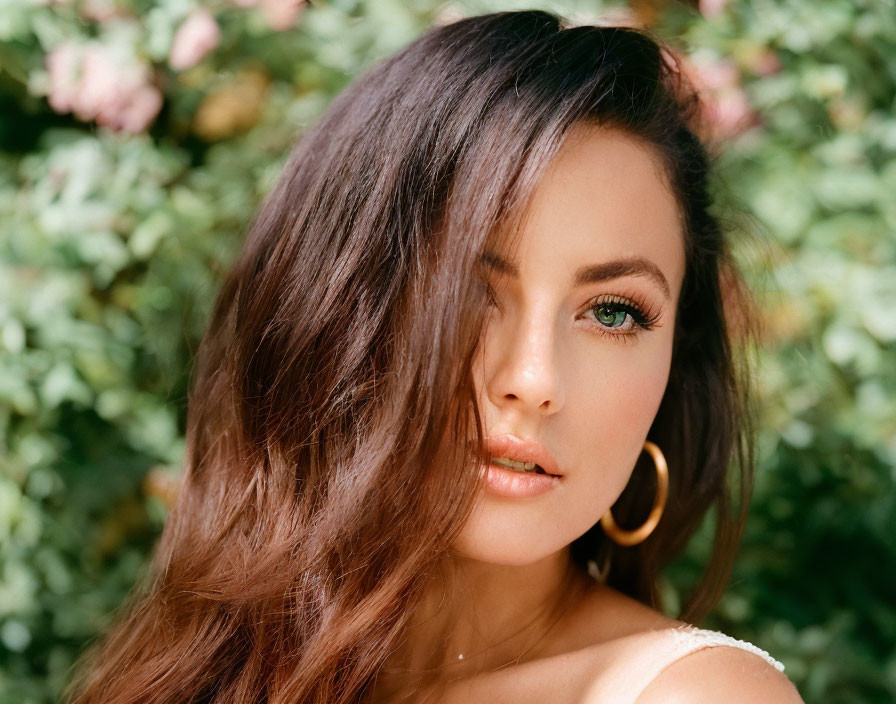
x: 477, y: 617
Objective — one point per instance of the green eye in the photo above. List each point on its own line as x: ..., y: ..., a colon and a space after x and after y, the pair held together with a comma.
x: 609, y: 316
x: 619, y: 317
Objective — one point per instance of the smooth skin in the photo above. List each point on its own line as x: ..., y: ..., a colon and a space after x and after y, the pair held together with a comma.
x: 579, y: 363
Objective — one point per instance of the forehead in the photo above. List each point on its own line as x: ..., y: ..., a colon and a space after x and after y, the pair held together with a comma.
x: 603, y: 196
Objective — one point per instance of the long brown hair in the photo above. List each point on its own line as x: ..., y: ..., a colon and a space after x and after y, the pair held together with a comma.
x: 318, y: 489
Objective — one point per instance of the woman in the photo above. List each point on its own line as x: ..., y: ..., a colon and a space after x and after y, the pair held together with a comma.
x: 479, y: 332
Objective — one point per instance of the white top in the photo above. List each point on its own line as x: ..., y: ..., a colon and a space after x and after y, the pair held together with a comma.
x: 691, y: 638
x: 642, y: 658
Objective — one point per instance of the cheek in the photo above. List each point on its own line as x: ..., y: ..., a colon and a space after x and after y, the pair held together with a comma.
x: 610, y: 402
x: 609, y: 416
x: 618, y: 399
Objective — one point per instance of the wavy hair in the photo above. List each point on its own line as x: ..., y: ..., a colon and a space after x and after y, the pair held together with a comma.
x: 318, y: 490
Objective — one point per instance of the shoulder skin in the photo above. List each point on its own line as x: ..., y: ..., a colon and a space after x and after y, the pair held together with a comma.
x: 720, y: 674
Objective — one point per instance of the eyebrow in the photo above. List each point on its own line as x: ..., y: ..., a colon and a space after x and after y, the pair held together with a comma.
x: 590, y: 273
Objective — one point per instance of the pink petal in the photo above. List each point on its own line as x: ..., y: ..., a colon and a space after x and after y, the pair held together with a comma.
x: 282, y: 14
x: 143, y: 107
x: 63, y: 68
x: 712, y: 8
x: 197, y: 36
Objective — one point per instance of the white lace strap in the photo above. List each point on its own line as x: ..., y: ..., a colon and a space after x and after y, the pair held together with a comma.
x: 638, y: 659
x: 692, y: 638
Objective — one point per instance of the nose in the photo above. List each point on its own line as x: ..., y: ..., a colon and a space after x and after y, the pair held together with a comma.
x: 521, y: 365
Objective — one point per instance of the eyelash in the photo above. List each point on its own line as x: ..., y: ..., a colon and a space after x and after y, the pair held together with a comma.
x: 642, y: 316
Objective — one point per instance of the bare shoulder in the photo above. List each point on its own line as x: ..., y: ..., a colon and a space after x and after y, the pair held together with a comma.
x: 709, y: 675
x: 720, y: 673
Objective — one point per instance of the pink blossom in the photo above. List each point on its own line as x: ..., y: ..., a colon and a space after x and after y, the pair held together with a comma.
x: 101, y: 10
x: 715, y: 75
x: 712, y: 8
x: 94, y: 83
x: 619, y: 17
x: 725, y: 111
x: 137, y: 113
x: 100, y: 85
x: 279, y: 14
x: 766, y: 63
x: 196, y: 36
x: 282, y: 14
x: 63, y: 68
x: 730, y: 112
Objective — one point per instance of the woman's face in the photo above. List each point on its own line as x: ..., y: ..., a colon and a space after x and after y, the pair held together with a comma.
x: 576, y: 350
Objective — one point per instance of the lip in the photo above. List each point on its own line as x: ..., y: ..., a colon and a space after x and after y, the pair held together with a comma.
x: 519, y: 485
x: 515, y: 448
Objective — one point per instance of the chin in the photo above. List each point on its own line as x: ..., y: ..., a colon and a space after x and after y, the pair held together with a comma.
x: 512, y: 535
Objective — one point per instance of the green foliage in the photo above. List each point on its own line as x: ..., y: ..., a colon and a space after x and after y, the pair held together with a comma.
x: 113, y: 240
x: 817, y: 573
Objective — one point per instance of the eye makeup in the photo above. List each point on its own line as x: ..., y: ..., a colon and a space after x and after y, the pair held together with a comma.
x: 613, y: 315
x: 617, y: 315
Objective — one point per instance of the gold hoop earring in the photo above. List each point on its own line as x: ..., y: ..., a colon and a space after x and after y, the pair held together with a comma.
x: 633, y: 537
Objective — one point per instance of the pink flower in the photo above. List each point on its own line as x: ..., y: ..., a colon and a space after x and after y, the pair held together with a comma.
x: 725, y: 111
x: 730, y: 112
x: 101, y: 10
x: 136, y: 114
x: 63, y: 68
x: 279, y: 14
x: 196, y: 36
x: 94, y: 83
x: 766, y: 63
x: 712, y: 8
x: 100, y: 85
x: 282, y: 14
x: 620, y: 17
x: 715, y: 75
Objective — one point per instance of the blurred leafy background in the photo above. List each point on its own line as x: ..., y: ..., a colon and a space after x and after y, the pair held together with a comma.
x: 137, y: 139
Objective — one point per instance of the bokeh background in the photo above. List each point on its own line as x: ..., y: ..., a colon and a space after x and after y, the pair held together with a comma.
x: 138, y: 137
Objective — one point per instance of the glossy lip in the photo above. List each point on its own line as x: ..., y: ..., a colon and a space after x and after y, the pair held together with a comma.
x: 501, y: 481
x: 515, y: 448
